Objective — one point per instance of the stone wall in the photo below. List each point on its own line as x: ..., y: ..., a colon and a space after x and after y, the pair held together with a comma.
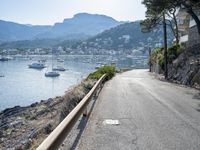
x: 186, y: 68
x: 156, y: 68
x: 194, y: 37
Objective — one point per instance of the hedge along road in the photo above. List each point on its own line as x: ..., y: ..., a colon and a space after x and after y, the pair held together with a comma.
x: 136, y: 111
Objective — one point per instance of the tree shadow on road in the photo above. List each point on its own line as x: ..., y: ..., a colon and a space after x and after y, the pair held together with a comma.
x: 83, y: 123
x: 198, y: 109
x: 197, y: 96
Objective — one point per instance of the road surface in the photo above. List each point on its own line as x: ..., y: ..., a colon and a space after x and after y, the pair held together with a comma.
x: 152, y: 115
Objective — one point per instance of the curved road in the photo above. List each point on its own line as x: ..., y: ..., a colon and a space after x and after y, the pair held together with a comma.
x: 152, y: 115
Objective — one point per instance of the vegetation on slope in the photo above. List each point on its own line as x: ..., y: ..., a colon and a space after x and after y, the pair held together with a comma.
x: 157, y: 55
x: 109, y: 70
x: 126, y: 36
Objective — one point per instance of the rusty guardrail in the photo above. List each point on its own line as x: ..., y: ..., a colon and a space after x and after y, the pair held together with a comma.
x: 58, y: 135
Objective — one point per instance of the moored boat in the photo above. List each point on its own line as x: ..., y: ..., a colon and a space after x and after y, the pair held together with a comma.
x: 37, y: 65
x: 52, y: 74
x: 1, y: 75
x: 3, y: 58
x: 59, y: 69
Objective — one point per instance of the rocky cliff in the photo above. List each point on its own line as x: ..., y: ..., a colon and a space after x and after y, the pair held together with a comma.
x: 186, y: 68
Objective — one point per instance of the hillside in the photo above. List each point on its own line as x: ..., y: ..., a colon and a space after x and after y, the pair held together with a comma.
x: 124, y: 37
x: 43, y: 43
x: 81, y: 24
x: 10, y: 31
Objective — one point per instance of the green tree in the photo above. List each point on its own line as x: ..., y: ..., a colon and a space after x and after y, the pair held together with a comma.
x: 156, y: 11
x: 155, y: 8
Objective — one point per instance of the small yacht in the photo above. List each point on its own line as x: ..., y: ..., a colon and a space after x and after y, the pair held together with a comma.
x: 3, y: 58
x: 1, y: 75
x: 43, y: 60
x: 60, y: 60
x: 98, y: 66
x: 37, y: 65
x: 52, y: 74
x: 59, y: 68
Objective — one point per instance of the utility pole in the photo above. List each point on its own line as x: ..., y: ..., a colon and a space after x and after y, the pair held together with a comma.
x: 150, y: 59
x: 165, y: 46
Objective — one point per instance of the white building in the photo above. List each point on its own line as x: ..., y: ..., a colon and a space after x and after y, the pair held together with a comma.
x: 187, y: 27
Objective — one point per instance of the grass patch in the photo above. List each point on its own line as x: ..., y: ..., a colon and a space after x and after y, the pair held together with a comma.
x: 109, y: 70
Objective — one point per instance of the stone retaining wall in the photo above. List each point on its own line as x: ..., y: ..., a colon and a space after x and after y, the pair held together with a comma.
x: 194, y: 37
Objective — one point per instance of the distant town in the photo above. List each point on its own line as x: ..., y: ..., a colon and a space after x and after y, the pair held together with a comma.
x: 69, y: 51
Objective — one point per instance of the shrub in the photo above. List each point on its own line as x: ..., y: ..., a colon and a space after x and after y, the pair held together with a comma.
x: 174, y: 51
x: 158, y: 54
x: 154, y: 55
x: 109, y: 70
x: 161, y: 61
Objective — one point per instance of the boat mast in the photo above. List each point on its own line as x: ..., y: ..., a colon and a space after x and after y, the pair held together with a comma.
x: 52, y: 60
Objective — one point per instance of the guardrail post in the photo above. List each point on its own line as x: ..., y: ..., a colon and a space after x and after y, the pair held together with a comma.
x: 85, y: 112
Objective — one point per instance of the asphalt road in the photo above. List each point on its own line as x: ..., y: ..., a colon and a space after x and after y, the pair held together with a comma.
x: 152, y: 115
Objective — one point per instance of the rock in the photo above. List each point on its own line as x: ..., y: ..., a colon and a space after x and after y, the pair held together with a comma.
x: 34, y: 133
x: 185, y: 69
x: 1, y: 133
x: 42, y: 112
x: 196, y: 78
x: 48, y: 129
x: 34, y: 104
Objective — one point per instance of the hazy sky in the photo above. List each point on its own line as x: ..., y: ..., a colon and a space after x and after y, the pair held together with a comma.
x: 46, y: 12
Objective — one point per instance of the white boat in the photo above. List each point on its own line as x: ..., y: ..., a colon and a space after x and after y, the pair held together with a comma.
x: 9, y: 57
x: 1, y: 75
x: 4, y: 58
x: 59, y: 68
x: 98, y: 66
x: 37, y: 65
x: 43, y: 60
x: 52, y: 74
x: 60, y: 60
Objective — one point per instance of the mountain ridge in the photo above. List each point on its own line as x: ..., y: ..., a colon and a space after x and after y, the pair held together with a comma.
x: 124, y: 36
x: 81, y: 23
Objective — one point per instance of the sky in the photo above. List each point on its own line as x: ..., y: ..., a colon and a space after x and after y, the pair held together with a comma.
x: 48, y: 12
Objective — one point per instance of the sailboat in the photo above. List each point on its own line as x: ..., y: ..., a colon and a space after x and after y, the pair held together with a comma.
x: 52, y: 73
x: 59, y: 65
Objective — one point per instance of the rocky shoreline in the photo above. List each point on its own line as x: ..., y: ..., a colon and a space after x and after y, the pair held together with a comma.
x: 26, y: 127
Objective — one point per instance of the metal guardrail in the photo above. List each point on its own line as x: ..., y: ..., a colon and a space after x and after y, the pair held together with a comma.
x: 58, y: 135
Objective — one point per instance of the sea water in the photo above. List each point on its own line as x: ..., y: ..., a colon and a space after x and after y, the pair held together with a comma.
x: 22, y: 86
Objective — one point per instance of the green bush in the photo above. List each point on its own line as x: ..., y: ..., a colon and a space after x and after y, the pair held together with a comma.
x: 109, y: 70
x: 155, y: 53
x: 158, y: 54
x: 161, y: 61
x: 174, y: 51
